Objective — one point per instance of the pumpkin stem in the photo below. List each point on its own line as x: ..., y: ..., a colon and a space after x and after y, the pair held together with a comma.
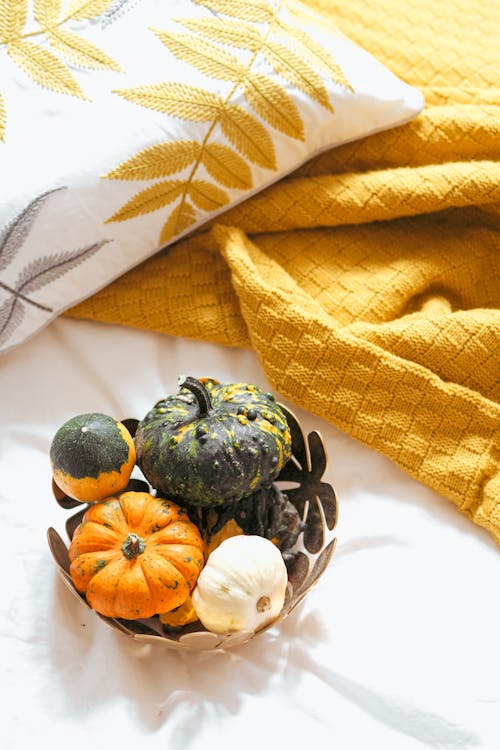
x: 199, y: 391
x: 133, y: 546
x: 263, y: 604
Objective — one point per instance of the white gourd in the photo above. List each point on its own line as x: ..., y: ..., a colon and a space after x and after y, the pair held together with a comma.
x: 242, y: 585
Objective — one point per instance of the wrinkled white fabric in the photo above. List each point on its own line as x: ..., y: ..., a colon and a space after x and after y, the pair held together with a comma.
x: 394, y: 648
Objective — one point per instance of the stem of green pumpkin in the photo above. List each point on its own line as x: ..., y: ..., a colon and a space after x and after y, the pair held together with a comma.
x: 199, y: 391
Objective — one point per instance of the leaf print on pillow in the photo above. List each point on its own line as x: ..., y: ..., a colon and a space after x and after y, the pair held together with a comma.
x: 38, y: 272
x: 80, y: 51
x: 13, y: 236
x: 226, y: 166
x: 84, y: 10
x: 210, y: 59
x: 273, y: 104
x: 41, y: 64
x: 296, y: 70
x: 176, y: 99
x: 157, y: 161
x: 44, y: 68
x: 148, y: 200
x: 182, y: 217
x: 116, y: 10
x: 253, y: 113
x: 248, y: 135
x: 243, y: 35
x: 206, y: 196
x: 257, y: 11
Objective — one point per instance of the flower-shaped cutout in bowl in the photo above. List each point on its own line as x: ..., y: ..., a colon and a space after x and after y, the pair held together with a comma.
x: 315, y: 500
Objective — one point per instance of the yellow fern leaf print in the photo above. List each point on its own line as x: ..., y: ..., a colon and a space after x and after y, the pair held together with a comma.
x: 235, y: 33
x: 13, y: 15
x: 297, y: 71
x: 273, y: 104
x: 177, y: 99
x: 44, y: 67
x: 40, y: 63
x: 246, y: 36
x: 314, y: 52
x: 267, y: 98
x: 80, y: 51
x: 157, y: 161
x: 87, y: 9
x: 154, y: 197
x: 207, y: 196
x: 209, y: 59
x: 258, y: 11
x: 46, y: 12
x: 226, y: 166
x: 248, y: 135
x: 241, y: 46
x: 181, y: 218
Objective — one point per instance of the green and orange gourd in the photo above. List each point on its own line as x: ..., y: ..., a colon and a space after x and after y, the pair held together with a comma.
x: 92, y: 456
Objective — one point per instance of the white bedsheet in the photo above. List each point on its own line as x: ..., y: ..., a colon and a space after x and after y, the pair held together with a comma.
x: 397, y: 646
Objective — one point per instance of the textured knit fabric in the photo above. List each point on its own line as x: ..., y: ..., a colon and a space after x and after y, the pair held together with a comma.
x: 368, y: 282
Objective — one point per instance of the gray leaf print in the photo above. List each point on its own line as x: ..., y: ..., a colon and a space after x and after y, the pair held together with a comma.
x: 116, y: 10
x: 11, y: 315
x: 16, y: 232
x: 38, y: 272
x: 42, y: 271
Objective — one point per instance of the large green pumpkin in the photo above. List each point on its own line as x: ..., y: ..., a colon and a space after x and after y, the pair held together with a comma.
x: 213, y: 443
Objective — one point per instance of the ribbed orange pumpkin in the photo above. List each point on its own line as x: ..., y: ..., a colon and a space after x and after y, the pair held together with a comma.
x: 135, y: 556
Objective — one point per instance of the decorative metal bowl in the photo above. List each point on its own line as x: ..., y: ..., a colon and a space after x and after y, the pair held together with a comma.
x: 315, y: 500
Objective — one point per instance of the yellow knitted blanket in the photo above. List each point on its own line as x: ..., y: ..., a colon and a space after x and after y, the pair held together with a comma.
x: 368, y: 282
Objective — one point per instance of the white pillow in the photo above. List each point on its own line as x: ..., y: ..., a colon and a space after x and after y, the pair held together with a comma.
x: 124, y: 126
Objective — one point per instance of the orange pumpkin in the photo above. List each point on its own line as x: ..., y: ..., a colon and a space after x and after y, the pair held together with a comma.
x: 135, y: 556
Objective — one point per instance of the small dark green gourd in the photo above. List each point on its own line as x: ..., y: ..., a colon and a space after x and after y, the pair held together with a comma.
x: 267, y: 512
x: 213, y: 443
